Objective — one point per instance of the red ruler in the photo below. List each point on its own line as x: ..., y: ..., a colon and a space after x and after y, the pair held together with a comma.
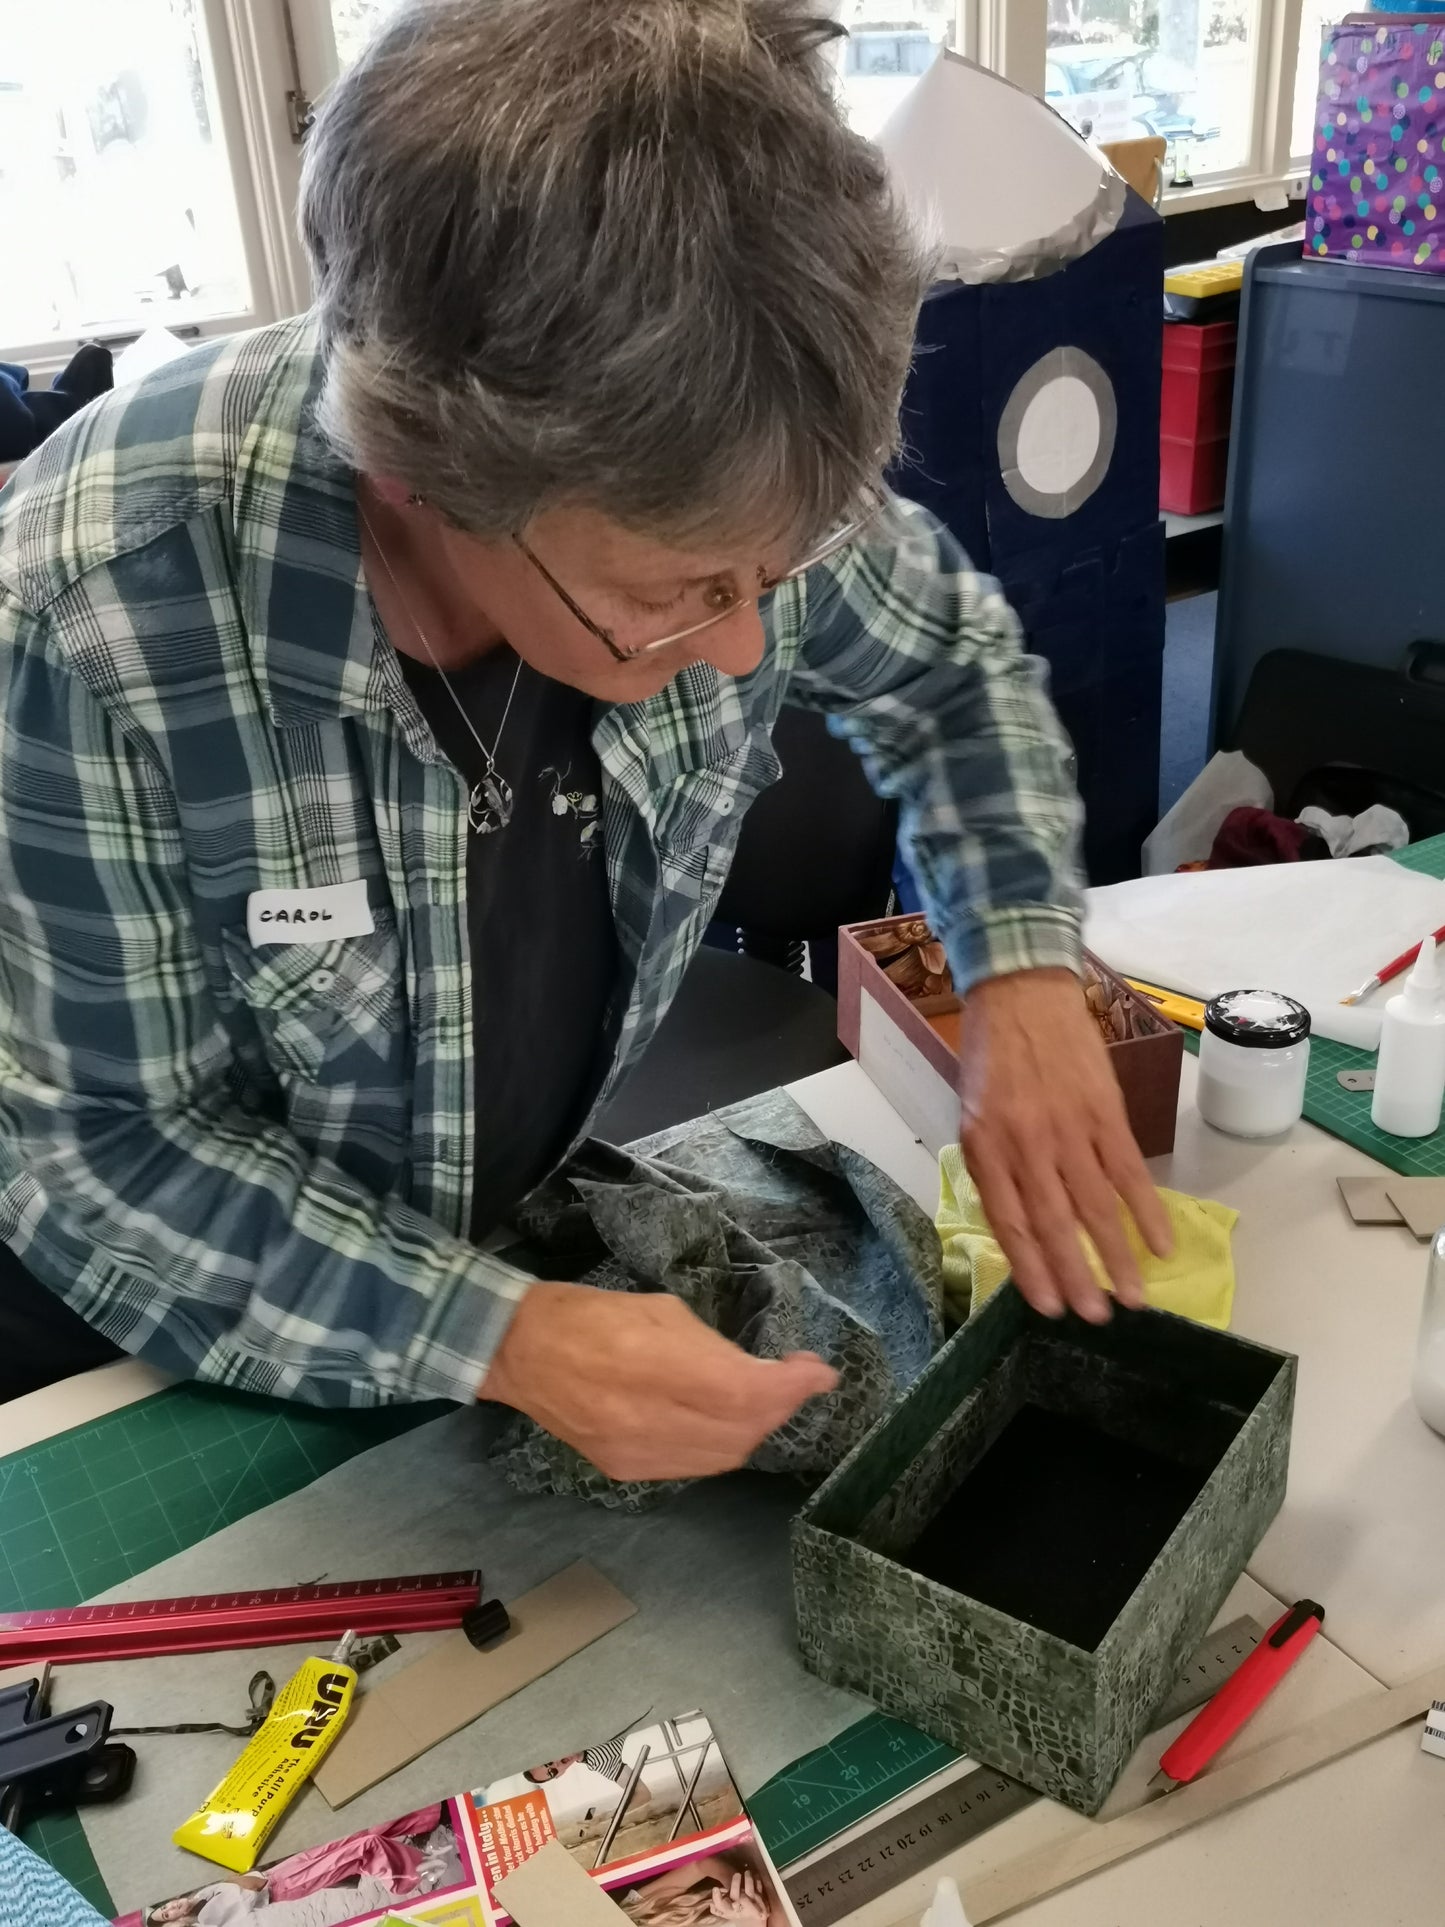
x: 217, y: 1622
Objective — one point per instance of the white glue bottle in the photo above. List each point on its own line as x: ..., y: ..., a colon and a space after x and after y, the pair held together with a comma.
x: 1410, y: 1070
x: 947, y: 1908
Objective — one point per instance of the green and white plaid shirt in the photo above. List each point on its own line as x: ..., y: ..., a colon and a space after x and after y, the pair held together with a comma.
x: 251, y: 1164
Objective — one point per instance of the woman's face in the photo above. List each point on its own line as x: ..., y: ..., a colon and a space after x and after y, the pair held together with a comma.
x: 634, y: 586
x: 182, y: 1909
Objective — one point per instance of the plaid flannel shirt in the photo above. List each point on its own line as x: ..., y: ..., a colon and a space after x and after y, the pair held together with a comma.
x: 251, y: 1165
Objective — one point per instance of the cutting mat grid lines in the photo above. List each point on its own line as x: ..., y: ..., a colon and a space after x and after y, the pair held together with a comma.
x: 84, y: 1511
x: 875, y: 1761
x: 91, y: 1508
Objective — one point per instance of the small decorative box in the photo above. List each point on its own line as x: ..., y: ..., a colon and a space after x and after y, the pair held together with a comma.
x: 1021, y: 1557
x: 899, y: 1016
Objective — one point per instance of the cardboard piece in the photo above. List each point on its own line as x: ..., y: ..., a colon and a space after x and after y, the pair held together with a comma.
x: 551, y: 1887
x: 1367, y: 1200
x: 1420, y: 1202
x: 395, y: 1723
x: 1141, y: 162
x: 1036, y: 1875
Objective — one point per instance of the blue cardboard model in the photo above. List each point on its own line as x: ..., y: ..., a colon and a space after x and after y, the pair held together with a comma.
x: 1031, y: 417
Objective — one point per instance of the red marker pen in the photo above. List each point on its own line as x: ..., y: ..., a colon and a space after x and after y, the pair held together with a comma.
x: 1242, y: 1694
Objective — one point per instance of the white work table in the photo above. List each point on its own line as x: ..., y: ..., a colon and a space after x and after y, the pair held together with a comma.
x: 1357, y: 1844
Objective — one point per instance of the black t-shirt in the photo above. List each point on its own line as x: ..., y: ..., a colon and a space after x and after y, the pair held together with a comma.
x: 539, y: 920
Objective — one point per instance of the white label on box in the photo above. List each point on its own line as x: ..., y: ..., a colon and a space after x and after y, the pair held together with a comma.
x: 926, y: 1102
x: 1434, y: 1740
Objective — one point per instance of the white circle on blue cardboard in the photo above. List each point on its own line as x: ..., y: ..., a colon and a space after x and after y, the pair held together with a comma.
x: 1057, y: 432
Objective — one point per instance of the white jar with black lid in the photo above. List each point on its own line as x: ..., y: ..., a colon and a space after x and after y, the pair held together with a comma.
x: 1254, y: 1053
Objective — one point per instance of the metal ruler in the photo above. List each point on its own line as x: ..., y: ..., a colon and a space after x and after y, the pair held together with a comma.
x: 882, y: 1858
x: 216, y: 1622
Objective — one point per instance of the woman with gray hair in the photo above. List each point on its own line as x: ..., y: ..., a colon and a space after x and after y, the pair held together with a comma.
x: 383, y: 693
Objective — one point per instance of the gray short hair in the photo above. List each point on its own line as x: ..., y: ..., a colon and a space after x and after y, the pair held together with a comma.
x: 623, y: 253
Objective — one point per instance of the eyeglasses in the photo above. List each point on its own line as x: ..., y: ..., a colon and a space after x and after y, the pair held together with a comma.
x: 720, y: 597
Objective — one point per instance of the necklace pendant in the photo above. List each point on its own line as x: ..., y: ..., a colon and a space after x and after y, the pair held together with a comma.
x: 490, y: 805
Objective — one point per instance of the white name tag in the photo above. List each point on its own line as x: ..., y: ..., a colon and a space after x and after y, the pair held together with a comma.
x: 309, y: 916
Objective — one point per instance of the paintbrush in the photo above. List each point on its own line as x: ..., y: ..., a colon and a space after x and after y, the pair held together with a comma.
x: 1391, y: 969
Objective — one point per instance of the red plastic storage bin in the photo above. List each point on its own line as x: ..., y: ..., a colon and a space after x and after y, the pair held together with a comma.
x: 1195, y: 404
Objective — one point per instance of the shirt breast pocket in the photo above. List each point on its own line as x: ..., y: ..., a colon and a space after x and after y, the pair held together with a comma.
x: 701, y: 819
x: 333, y: 1007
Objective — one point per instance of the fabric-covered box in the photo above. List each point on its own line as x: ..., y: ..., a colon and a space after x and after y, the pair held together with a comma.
x: 1376, y: 195
x: 1021, y: 1557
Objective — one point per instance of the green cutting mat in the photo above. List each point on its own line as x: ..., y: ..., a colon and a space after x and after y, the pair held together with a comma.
x: 1346, y: 1114
x: 92, y: 1507
x: 816, y: 1798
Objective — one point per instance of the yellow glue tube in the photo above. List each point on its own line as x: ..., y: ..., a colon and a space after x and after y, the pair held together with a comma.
x: 234, y: 1823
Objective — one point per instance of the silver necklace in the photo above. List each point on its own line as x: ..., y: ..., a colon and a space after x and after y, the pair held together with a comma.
x: 490, y: 805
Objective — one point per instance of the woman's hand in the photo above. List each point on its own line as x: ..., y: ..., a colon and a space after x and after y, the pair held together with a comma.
x: 1046, y: 1140
x: 741, y: 1899
x: 642, y: 1387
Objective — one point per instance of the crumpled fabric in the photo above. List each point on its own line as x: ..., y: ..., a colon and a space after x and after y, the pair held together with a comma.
x: 1374, y: 830
x: 1248, y: 836
x: 35, y: 1895
x: 1195, y: 1281
x: 778, y: 1238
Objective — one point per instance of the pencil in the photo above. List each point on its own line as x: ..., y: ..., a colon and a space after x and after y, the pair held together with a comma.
x: 1391, y: 969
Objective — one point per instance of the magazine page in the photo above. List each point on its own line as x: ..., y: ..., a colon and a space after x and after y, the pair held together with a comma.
x: 652, y: 1814
x: 422, y: 1867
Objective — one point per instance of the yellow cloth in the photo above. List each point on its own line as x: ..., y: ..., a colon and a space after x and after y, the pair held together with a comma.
x: 1196, y: 1280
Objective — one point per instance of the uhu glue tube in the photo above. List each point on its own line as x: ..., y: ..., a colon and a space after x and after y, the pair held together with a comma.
x: 234, y: 1823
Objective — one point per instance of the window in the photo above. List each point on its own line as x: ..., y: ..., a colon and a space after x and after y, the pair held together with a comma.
x: 1318, y: 14
x: 1183, y: 69
x: 887, y: 50
x: 118, y: 198
x: 890, y: 45
x: 354, y: 22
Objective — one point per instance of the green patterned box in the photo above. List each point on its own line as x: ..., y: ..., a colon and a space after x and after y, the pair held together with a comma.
x: 1156, y: 1393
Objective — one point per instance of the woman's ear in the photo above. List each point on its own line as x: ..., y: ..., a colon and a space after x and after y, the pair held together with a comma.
x: 396, y: 494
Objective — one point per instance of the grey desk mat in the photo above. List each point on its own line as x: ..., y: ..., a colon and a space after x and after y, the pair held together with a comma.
x: 708, y: 1572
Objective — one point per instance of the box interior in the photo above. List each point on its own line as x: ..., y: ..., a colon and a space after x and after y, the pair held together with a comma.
x: 1056, y: 1482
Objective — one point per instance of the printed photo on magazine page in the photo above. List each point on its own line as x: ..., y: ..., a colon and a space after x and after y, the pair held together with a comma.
x: 652, y: 1814
x: 420, y: 1867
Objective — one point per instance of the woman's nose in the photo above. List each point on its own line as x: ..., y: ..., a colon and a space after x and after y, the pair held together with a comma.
x: 734, y: 647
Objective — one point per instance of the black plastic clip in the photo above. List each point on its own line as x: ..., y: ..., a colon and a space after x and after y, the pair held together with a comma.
x: 59, y: 1759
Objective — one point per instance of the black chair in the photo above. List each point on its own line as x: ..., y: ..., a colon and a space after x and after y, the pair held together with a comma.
x: 816, y: 851
x: 1343, y: 735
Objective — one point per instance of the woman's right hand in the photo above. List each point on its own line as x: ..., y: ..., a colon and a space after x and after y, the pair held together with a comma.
x: 640, y: 1386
